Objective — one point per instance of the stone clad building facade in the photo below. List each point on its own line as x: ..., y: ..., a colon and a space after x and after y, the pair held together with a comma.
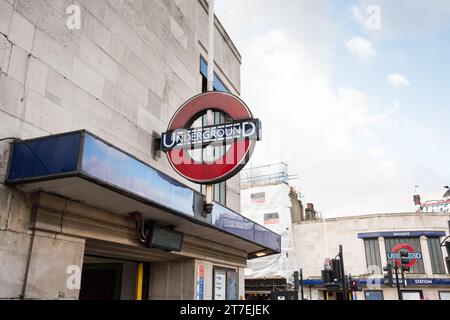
x: 118, y: 79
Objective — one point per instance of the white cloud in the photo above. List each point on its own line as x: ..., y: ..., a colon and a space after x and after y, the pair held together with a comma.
x: 358, y: 15
x: 350, y: 159
x: 305, y: 21
x: 361, y: 48
x: 316, y: 128
x: 396, y: 80
x: 369, y: 19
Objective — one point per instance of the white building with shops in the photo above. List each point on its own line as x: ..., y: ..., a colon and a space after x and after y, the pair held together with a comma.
x: 367, y: 240
x: 268, y: 199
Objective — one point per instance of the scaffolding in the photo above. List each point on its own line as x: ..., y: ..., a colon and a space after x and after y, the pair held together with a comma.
x: 270, y: 174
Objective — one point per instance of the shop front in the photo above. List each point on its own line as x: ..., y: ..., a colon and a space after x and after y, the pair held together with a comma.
x: 375, y: 289
x: 104, y: 225
x: 379, y: 251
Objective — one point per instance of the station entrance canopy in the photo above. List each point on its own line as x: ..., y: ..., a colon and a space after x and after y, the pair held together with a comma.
x: 82, y: 167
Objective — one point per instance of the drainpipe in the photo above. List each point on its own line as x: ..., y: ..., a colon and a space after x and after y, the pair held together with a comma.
x: 209, y: 189
x: 211, y: 46
x: 30, y: 248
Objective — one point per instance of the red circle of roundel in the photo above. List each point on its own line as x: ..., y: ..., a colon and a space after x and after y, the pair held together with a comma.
x: 400, y: 246
x: 232, y: 161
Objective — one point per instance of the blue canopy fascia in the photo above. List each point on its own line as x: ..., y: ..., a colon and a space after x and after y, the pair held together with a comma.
x: 82, y: 154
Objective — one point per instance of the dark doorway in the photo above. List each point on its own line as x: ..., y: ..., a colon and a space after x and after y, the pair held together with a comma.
x: 333, y: 295
x: 339, y: 296
x: 100, y: 281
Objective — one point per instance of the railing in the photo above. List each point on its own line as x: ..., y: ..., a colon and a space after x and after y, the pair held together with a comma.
x: 265, y: 175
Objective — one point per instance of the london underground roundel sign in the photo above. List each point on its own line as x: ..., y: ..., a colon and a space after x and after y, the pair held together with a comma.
x: 412, y: 254
x: 237, y: 136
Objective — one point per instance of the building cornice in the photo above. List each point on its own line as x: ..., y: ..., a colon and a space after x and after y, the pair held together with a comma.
x: 378, y: 215
x: 223, y: 32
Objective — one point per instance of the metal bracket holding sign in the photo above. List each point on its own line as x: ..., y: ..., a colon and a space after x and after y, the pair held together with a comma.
x: 156, y: 145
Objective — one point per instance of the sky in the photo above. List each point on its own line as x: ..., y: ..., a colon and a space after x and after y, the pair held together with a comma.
x: 353, y: 95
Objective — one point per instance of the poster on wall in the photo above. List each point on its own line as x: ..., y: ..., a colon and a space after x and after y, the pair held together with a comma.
x: 200, y: 282
x: 220, y: 277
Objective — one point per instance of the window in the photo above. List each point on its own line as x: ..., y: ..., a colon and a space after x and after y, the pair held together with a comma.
x: 271, y: 218
x: 373, y: 257
x: 373, y: 295
x: 225, y: 284
x: 444, y: 295
x: 413, y: 242
x: 218, y: 83
x: 232, y: 285
x: 412, y: 295
x: 220, y: 189
x: 259, y: 197
x: 437, y: 261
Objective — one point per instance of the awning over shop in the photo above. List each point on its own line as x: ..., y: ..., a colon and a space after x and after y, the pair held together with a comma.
x: 82, y: 167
